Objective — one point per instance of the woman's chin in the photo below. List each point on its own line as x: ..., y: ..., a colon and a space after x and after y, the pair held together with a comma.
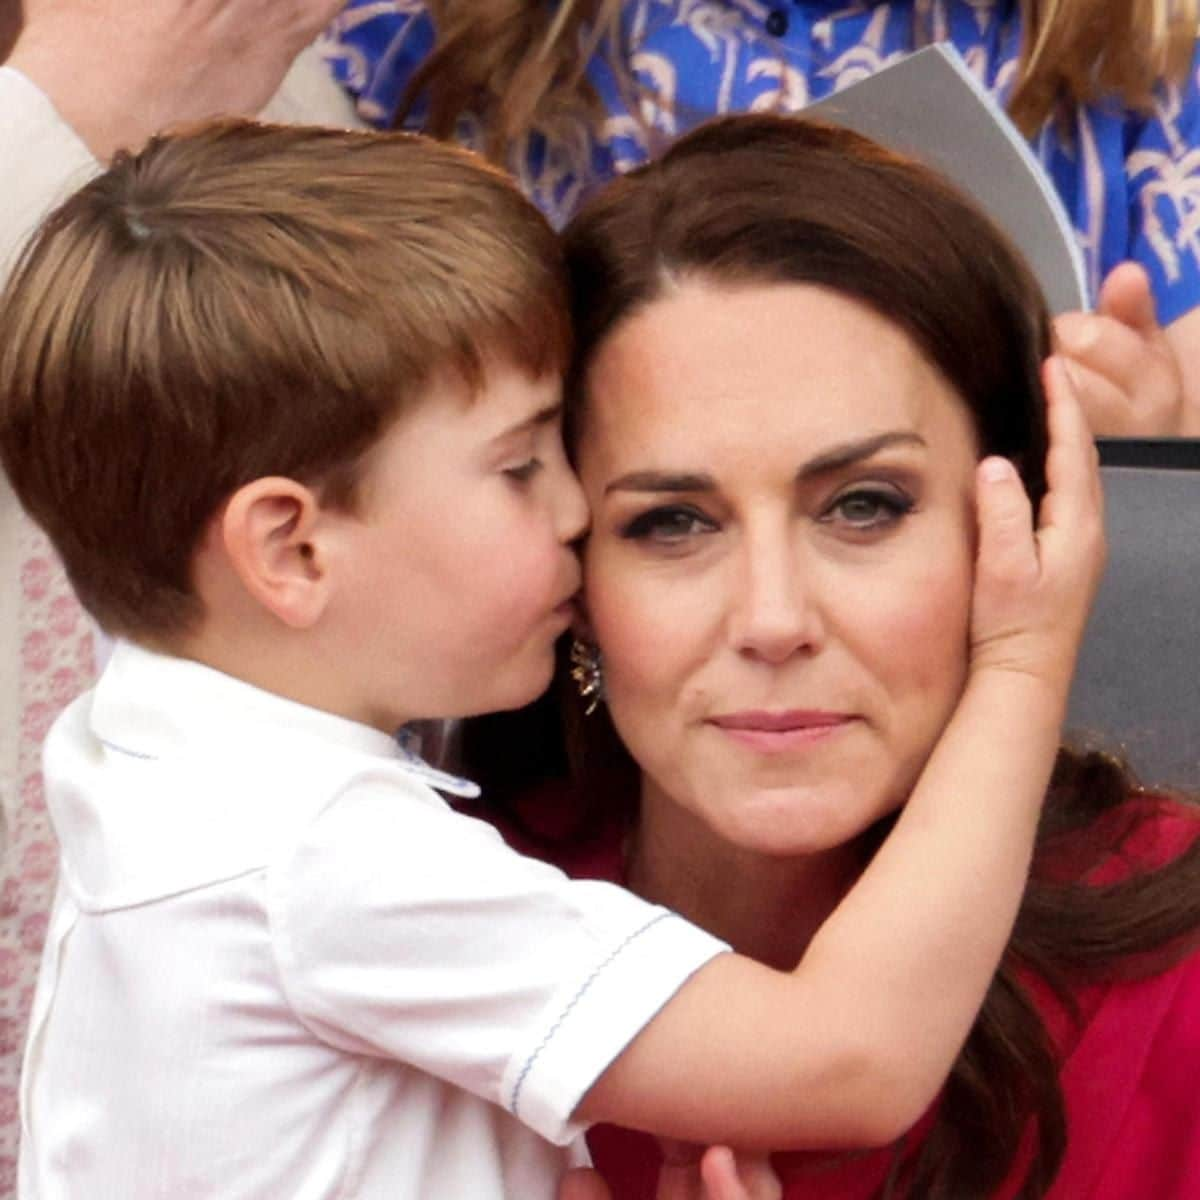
x: 796, y: 822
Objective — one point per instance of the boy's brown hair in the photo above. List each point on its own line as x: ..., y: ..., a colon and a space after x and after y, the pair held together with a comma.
x: 242, y: 300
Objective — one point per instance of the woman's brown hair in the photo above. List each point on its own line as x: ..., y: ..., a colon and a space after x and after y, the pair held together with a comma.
x: 755, y: 200
x: 520, y: 65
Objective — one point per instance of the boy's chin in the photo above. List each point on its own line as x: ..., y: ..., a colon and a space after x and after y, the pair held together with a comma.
x: 523, y: 689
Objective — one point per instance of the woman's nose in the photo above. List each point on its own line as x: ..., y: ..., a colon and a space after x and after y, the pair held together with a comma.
x: 775, y: 612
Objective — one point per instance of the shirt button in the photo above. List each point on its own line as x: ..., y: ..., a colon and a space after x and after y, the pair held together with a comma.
x: 777, y: 22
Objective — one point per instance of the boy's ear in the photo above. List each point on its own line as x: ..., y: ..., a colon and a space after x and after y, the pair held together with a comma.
x: 271, y: 529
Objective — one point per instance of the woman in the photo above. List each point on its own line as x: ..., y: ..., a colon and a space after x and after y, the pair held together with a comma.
x: 571, y: 93
x: 793, y: 349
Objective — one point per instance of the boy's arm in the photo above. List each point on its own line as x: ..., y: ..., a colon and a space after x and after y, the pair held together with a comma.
x: 852, y: 1046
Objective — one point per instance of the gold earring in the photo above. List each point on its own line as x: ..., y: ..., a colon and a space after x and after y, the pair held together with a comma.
x: 587, y: 670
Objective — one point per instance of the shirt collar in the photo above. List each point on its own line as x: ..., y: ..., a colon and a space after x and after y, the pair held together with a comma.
x: 147, y: 705
x: 170, y: 776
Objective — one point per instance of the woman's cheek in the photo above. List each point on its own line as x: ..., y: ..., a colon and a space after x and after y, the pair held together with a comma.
x: 927, y: 624
x: 649, y: 630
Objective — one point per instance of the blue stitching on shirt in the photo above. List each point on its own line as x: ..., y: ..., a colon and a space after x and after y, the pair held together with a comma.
x: 587, y: 983
x: 126, y: 750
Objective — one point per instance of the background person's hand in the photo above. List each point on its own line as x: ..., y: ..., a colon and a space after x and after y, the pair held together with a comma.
x: 1034, y: 585
x: 120, y: 70
x: 1129, y: 380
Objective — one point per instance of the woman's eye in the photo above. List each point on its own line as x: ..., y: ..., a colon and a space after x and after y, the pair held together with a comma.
x: 868, y: 508
x: 523, y: 472
x: 667, y: 526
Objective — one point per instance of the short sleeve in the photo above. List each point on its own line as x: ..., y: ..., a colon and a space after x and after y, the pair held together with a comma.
x: 43, y: 162
x: 1162, y: 169
x: 407, y: 931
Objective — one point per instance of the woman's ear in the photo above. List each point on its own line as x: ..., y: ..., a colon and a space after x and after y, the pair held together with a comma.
x: 581, y: 622
x: 272, y: 532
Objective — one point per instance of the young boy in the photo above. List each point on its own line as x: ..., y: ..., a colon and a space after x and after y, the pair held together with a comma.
x: 287, y: 403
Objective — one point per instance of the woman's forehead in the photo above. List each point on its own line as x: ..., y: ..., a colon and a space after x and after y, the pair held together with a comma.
x: 713, y: 366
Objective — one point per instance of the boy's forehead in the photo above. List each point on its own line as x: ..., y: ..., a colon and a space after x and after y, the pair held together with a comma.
x: 511, y: 401
x: 507, y: 405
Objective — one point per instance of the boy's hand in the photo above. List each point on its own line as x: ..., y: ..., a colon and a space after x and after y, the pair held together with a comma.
x: 1034, y: 587
x: 120, y: 70
x: 1129, y: 379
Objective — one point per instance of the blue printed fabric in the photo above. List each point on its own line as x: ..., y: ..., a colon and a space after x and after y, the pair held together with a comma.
x: 1130, y: 181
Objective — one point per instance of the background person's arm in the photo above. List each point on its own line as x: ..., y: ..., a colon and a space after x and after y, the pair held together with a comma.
x: 97, y: 75
x: 41, y: 162
x: 120, y: 70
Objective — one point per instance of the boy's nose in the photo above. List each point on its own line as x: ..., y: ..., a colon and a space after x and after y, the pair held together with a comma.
x: 571, y: 511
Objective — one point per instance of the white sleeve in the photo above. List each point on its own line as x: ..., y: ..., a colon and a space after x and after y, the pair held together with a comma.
x: 309, y: 95
x: 406, y: 930
x: 42, y: 162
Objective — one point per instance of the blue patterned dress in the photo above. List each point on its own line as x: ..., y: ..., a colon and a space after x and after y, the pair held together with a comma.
x: 1130, y: 181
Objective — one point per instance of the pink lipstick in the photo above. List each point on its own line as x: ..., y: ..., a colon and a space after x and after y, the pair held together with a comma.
x: 775, y: 732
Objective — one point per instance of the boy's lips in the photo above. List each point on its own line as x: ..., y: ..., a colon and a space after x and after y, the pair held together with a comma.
x: 569, y: 608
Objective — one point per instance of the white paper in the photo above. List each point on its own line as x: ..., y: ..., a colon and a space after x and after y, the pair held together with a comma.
x: 931, y: 106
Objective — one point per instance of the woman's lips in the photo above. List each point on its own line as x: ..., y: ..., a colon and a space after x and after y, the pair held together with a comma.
x: 776, y: 732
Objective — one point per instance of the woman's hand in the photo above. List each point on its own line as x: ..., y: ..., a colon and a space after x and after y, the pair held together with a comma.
x: 1129, y: 379
x: 717, y: 1174
x: 582, y: 1183
x: 1034, y: 586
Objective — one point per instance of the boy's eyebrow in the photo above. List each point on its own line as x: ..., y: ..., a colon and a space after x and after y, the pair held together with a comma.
x: 833, y: 459
x: 543, y: 416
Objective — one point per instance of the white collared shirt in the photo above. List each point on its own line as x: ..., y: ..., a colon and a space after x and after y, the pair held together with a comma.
x: 281, y: 967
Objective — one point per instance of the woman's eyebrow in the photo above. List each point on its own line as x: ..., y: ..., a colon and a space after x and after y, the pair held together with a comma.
x: 834, y: 459
x: 661, y: 481
x: 849, y: 453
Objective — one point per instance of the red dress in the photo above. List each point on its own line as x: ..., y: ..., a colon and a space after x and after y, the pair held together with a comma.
x: 1131, y: 1075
